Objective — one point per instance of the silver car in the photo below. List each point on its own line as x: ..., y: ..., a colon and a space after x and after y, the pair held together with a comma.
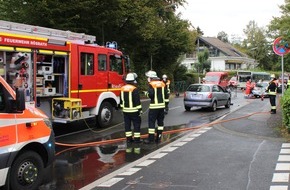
x: 206, y: 96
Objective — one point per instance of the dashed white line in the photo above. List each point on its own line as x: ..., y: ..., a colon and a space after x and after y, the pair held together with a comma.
x: 180, y: 144
x: 130, y: 171
x: 110, y: 182
x: 169, y: 149
x: 280, y: 177
x: 283, y: 166
x: 285, y: 151
x: 283, y: 158
x: 160, y: 155
x: 279, y: 187
x: 146, y: 163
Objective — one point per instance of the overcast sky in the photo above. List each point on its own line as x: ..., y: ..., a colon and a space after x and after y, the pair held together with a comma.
x: 230, y: 16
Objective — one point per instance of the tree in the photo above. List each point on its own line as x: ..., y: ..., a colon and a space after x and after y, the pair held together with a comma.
x: 256, y: 45
x: 223, y: 36
x: 203, y: 63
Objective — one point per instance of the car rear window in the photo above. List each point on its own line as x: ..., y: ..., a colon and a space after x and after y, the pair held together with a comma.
x: 198, y: 88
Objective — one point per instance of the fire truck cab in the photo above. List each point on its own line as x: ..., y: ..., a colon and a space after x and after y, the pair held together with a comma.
x: 63, y: 73
x: 26, y: 141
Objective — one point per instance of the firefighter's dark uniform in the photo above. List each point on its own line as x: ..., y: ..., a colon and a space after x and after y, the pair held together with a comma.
x: 157, y: 92
x: 272, y: 91
x: 131, y: 105
x: 167, y: 86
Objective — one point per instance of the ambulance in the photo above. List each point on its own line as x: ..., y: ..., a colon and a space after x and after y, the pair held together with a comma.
x: 26, y: 141
x: 65, y: 74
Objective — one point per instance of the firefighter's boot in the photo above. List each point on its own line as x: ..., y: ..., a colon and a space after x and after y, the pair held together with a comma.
x: 137, y: 140
x: 150, y: 139
x: 158, y: 137
x: 129, y: 140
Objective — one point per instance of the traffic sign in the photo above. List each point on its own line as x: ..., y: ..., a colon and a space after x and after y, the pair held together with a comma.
x: 280, y: 46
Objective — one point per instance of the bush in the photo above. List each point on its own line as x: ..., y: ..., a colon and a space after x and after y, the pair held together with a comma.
x: 285, y: 105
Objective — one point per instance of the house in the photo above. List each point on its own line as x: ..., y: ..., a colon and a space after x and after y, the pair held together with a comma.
x: 222, y: 56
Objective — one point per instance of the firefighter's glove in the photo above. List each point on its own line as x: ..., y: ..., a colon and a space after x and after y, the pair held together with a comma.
x: 140, y: 112
x: 145, y: 93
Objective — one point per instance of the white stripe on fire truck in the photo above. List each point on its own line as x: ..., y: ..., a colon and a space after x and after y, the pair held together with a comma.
x: 17, y: 146
x: 12, y: 121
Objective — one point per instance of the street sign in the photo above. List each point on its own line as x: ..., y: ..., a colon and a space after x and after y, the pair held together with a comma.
x: 280, y: 46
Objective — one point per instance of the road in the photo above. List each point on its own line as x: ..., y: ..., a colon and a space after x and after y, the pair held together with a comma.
x: 76, y: 167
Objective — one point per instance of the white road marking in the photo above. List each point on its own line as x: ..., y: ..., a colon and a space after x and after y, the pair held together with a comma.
x: 188, y: 139
x: 110, y: 182
x: 130, y: 171
x: 282, y: 166
x: 286, y: 145
x: 280, y: 177
x: 180, y: 144
x: 285, y: 151
x: 279, y: 187
x: 160, y: 155
x: 283, y: 158
x: 169, y: 149
x: 146, y: 163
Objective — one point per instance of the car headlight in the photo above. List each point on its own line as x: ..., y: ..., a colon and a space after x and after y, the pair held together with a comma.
x: 48, y: 122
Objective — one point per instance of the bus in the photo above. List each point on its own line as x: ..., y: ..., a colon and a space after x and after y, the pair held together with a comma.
x: 242, y: 77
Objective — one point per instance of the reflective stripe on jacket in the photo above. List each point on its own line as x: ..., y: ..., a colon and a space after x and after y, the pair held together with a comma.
x: 130, y: 99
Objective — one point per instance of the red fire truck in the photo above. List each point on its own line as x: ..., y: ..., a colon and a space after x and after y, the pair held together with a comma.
x: 64, y: 73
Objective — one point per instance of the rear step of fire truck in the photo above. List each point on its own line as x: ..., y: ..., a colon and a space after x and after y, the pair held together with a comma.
x: 45, y: 32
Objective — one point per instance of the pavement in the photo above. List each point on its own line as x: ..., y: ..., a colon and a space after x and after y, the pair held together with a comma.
x: 244, y: 150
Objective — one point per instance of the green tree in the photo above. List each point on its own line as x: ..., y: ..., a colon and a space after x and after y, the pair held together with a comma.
x: 223, y: 36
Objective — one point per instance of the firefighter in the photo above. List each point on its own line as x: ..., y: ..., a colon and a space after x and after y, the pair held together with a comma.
x: 132, y: 108
x: 288, y: 83
x: 166, y: 81
x: 249, y: 87
x: 272, y: 91
x: 158, y: 95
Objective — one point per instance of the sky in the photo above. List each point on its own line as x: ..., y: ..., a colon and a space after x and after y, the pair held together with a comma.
x: 230, y: 16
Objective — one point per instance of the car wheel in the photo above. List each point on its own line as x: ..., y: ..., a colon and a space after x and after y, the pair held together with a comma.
x: 228, y: 105
x: 214, y: 106
x: 105, y: 116
x: 187, y: 108
x: 27, y: 171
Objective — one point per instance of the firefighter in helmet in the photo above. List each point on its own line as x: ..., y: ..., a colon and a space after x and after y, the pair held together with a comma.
x: 132, y: 108
x: 272, y: 91
x: 166, y: 81
x: 157, y: 92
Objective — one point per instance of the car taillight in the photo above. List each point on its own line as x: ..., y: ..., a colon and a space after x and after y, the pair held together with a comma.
x: 184, y: 94
x: 209, y: 95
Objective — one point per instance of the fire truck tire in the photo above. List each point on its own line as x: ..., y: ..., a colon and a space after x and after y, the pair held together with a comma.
x: 26, y: 171
x: 105, y: 115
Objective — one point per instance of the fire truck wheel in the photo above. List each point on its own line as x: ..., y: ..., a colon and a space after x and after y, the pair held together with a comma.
x: 105, y: 115
x: 26, y: 171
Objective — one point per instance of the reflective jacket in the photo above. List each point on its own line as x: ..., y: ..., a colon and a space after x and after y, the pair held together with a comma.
x: 272, y: 88
x: 130, y: 99
x: 158, y: 94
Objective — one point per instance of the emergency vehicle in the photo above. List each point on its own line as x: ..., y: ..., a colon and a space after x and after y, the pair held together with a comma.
x: 67, y: 76
x: 26, y: 141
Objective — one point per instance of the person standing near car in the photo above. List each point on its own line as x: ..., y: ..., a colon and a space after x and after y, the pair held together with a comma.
x: 158, y: 95
x: 166, y: 81
x: 132, y: 108
x: 249, y: 87
x: 272, y: 91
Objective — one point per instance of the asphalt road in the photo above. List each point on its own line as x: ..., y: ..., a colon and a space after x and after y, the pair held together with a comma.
x: 78, y: 167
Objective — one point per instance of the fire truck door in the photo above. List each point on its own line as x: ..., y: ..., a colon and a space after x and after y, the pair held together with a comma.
x: 87, y: 76
x: 116, y: 72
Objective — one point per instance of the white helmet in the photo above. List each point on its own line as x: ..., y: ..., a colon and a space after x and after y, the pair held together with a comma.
x: 164, y: 76
x: 151, y: 74
x: 131, y: 77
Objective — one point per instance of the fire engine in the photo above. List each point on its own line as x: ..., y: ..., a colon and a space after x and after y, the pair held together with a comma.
x: 64, y: 73
x: 26, y: 141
